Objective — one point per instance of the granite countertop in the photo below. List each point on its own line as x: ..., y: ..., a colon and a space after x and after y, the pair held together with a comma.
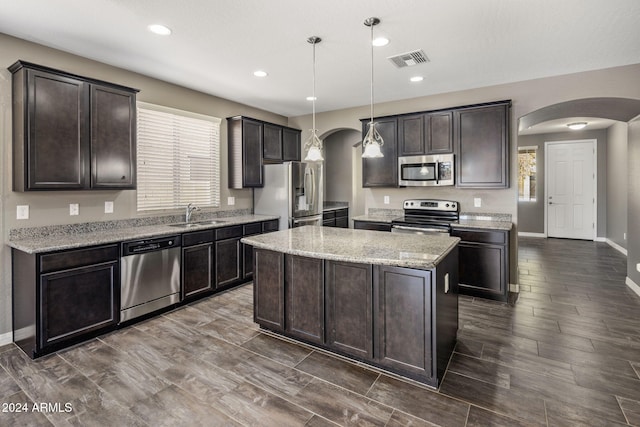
x: 332, y: 206
x: 358, y: 246
x: 490, y: 221
x: 50, y: 243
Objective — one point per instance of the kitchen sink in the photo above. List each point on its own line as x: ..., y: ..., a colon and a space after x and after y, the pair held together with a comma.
x: 196, y: 223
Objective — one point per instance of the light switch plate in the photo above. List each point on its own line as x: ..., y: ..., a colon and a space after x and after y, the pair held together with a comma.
x: 22, y: 212
x: 638, y: 266
x: 231, y: 201
x: 108, y: 207
x: 386, y: 200
x: 477, y: 202
x: 74, y: 209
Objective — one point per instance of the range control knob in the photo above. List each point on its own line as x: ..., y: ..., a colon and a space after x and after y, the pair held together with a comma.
x: 447, y: 205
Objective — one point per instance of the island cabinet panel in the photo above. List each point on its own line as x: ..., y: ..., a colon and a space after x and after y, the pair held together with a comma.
x: 268, y: 289
x: 349, y: 305
x: 304, y: 290
x: 403, y: 320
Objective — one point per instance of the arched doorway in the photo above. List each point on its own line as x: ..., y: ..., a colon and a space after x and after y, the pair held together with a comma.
x: 343, y: 169
x: 606, y: 120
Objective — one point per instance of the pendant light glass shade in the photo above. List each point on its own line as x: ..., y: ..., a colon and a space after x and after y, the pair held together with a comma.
x: 373, y: 140
x: 313, y: 145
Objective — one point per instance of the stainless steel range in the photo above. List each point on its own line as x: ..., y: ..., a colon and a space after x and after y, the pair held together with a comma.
x: 425, y: 216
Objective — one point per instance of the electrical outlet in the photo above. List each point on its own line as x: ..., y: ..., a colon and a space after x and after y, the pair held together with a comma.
x: 108, y: 207
x: 231, y: 201
x: 386, y: 200
x: 74, y: 209
x: 22, y: 212
x: 638, y: 266
x: 477, y: 202
x: 624, y: 236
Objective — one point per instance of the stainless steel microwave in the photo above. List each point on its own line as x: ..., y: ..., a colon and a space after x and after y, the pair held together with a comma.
x: 423, y: 171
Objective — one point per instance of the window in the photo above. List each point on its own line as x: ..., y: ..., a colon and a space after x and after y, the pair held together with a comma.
x: 527, y: 174
x: 178, y: 158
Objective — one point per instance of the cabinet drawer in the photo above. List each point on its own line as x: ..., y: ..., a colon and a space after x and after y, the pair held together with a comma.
x: 229, y: 232
x: 328, y: 214
x: 342, y: 212
x: 271, y: 225
x: 249, y: 229
x: 368, y: 225
x: 197, y: 237
x: 78, y: 257
x: 480, y: 236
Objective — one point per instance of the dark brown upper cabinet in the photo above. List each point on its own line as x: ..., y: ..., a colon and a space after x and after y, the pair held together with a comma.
x: 425, y: 133
x: 290, y: 144
x: 71, y: 132
x: 272, y: 147
x: 382, y: 171
x: 252, y: 143
x: 482, y: 146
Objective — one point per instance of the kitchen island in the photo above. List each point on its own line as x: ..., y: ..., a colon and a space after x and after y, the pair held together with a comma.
x: 388, y: 300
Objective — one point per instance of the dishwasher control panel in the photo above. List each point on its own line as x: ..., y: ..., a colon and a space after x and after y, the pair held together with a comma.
x: 150, y: 245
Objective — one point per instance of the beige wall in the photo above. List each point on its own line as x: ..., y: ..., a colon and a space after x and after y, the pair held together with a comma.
x: 53, y: 207
x: 617, y: 183
x: 526, y: 97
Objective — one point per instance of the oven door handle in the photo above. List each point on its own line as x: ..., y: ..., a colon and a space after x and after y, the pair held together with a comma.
x: 420, y: 229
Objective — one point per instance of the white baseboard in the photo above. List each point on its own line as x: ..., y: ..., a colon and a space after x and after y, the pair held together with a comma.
x: 600, y: 239
x: 6, y: 338
x: 632, y: 285
x: 525, y: 234
x: 616, y: 246
x: 514, y: 287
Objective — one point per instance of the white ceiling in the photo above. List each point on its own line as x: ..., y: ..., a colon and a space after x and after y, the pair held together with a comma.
x: 216, y: 45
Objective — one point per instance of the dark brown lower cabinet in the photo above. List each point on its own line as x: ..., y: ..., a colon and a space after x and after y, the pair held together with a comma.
x: 268, y: 289
x: 61, y: 298
x: 304, y: 297
x: 403, y: 310
x: 484, y: 263
x: 371, y: 225
x: 228, y: 262
x: 197, y: 269
x: 400, y: 319
x: 349, y: 291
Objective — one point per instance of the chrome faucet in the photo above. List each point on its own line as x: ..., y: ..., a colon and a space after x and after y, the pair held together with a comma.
x: 190, y: 208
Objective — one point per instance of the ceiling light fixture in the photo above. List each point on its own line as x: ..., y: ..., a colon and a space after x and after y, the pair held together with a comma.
x: 313, y: 145
x: 159, y: 29
x: 260, y: 73
x: 380, y: 41
x: 372, y: 141
x: 577, y: 125
x: 415, y: 79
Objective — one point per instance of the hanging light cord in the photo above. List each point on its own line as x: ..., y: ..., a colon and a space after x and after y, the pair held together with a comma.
x: 313, y: 104
x: 371, y: 26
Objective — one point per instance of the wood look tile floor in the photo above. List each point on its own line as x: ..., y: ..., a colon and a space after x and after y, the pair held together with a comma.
x: 567, y: 354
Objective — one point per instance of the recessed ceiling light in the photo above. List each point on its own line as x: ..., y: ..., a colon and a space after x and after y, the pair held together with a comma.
x: 577, y: 125
x: 159, y: 29
x: 380, y: 41
x: 312, y: 98
x: 416, y: 79
x: 260, y: 73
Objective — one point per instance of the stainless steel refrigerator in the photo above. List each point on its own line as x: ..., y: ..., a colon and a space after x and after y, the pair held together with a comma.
x: 293, y: 191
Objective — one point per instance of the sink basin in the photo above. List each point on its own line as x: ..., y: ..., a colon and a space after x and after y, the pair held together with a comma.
x: 196, y: 223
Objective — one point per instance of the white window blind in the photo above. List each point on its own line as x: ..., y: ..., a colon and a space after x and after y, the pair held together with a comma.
x: 178, y: 158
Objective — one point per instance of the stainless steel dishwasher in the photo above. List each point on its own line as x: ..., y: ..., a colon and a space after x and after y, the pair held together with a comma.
x: 149, y: 276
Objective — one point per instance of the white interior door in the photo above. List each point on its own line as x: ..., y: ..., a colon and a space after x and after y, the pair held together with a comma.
x: 570, y: 189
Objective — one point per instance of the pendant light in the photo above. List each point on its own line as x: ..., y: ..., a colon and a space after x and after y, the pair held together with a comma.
x: 372, y: 140
x: 313, y: 145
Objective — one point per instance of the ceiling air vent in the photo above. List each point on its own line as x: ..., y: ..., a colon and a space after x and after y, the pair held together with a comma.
x: 409, y: 59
